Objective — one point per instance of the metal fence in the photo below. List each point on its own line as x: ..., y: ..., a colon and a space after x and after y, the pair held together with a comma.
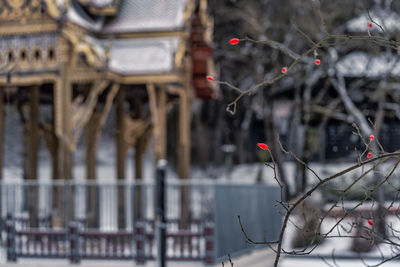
x: 259, y: 213
x: 107, y: 207
x: 65, y: 219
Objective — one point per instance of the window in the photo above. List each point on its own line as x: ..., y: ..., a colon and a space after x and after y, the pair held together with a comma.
x: 10, y: 56
x: 23, y: 56
x: 51, y: 55
x: 37, y: 55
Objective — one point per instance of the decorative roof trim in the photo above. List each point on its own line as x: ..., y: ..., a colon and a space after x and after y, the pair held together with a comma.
x: 13, y: 29
x: 77, y: 75
x: 103, y: 11
x: 97, y: 9
x: 144, y: 78
x: 52, y: 9
x: 80, y: 45
x: 145, y: 34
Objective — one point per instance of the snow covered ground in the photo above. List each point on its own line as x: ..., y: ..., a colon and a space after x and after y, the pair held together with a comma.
x: 340, y: 247
x: 313, y: 262
x: 260, y: 258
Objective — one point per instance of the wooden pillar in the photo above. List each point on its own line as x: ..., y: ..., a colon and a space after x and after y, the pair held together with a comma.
x: 184, y: 144
x: 1, y: 141
x: 58, y: 155
x: 121, y: 153
x: 138, y: 158
x: 62, y: 197
x: 183, y: 151
x: 162, y: 114
x: 65, y: 92
x: 90, y: 147
x: 120, y: 130
x: 151, y: 91
x: 1, y: 133
x: 184, y: 136
x: 67, y: 144
x: 184, y: 123
x: 158, y: 100
x: 67, y: 202
x: 92, y: 206
x: 184, y: 157
x: 139, y: 153
x: 32, y: 200
x: 33, y: 139
x: 140, y: 150
x: 57, y: 130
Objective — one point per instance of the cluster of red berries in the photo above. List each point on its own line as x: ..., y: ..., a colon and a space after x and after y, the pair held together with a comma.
x: 235, y: 41
x: 371, y: 138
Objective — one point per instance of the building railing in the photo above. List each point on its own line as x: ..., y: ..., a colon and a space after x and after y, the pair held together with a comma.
x: 75, y: 243
x: 75, y: 221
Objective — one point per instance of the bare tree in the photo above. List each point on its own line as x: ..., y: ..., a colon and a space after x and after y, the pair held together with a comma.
x: 339, y: 62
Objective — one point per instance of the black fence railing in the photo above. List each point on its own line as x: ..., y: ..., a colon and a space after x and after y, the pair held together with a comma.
x: 75, y: 243
x: 78, y: 221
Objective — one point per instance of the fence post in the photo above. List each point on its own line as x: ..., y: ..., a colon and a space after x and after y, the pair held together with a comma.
x: 11, y: 236
x: 160, y: 211
x: 209, y: 238
x: 140, y: 236
x: 73, y: 237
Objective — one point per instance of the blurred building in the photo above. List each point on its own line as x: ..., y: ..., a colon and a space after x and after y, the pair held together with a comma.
x: 82, y: 57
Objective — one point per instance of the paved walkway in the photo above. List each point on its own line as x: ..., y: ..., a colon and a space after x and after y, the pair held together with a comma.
x: 315, y: 262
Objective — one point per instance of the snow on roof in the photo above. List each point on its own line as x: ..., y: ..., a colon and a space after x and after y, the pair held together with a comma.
x: 358, y: 64
x: 133, y: 15
x: 102, y: 3
x: 145, y: 15
x: 143, y: 56
x: 389, y: 20
x: 76, y: 15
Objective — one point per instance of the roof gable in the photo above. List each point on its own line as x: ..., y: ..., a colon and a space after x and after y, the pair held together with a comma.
x: 148, y: 15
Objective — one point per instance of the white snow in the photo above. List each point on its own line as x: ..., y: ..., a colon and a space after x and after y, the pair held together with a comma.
x: 389, y: 20
x: 143, y: 56
x: 102, y: 3
x: 148, y: 15
x: 339, y: 246
x: 358, y: 64
x: 83, y: 20
x: 312, y: 262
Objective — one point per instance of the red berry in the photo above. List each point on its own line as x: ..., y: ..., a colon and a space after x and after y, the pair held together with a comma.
x: 371, y: 137
x: 317, y: 62
x: 262, y: 146
x: 210, y: 78
x: 234, y: 41
x: 369, y: 155
x: 370, y: 222
x: 370, y: 25
x: 284, y: 70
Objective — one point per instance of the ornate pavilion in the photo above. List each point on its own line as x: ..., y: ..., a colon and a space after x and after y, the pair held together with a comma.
x: 82, y: 57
